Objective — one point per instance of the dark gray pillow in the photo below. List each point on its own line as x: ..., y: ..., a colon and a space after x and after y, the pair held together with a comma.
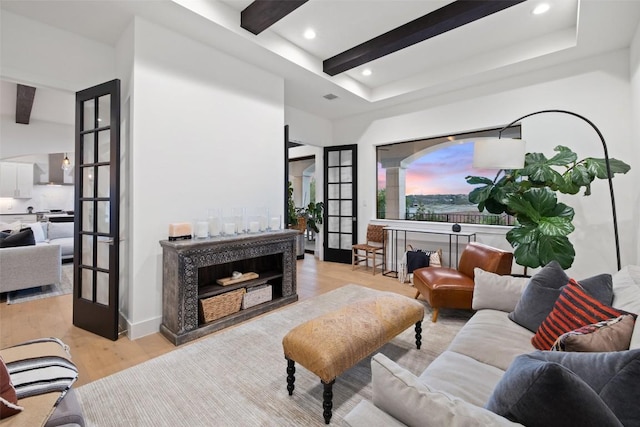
x: 22, y: 238
x: 536, y: 392
x: 614, y: 376
x: 545, y: 287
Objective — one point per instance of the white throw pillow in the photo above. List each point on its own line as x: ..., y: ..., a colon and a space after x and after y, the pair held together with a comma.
x: 496, y: 292
x: 13, y: 227
x: 400, y: 394
x: 38, y: 232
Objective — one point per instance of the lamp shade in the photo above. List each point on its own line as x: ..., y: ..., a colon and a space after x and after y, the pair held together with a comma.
x: 498, y: 153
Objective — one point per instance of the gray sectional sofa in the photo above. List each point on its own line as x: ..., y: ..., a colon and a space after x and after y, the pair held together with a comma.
x: 40, y: 264
x: 478, y: 366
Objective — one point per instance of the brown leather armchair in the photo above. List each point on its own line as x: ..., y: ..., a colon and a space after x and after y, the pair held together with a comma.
x: 450, y: 288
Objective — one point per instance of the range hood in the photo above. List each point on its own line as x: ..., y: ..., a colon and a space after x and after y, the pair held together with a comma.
x: 52, y: 172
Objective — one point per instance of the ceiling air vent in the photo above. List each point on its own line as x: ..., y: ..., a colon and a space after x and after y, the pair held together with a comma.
x: 330, y: 96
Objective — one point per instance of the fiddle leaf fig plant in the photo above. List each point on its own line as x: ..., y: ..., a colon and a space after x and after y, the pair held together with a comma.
x: 530, y: 195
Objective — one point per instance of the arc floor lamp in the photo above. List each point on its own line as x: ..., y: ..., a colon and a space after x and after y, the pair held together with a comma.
x: 494, y: 153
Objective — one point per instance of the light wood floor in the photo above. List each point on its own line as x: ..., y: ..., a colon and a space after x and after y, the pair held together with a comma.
x: 97, y: 357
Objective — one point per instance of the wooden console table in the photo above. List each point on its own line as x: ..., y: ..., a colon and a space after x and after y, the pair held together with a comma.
x: 191, y: 268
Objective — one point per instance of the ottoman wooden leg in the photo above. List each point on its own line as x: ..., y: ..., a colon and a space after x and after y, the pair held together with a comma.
x: 327, y: 400
x: 418, y: 334
x: 291, y: 377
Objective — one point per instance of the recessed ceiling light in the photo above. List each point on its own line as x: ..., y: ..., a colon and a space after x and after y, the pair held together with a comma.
x: 541, y: 8
x: 366, y: 72
x: 309, y: 34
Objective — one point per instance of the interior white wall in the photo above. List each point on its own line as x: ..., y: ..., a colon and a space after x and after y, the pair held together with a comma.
x: 208, y: 133
x: 49, y: 56
x: 634, y: 69
x: 308, y: 128
x: 37, y: 137
x: 597, y: 87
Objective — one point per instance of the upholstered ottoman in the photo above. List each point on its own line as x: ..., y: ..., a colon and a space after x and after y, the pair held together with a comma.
x: 332, y: 343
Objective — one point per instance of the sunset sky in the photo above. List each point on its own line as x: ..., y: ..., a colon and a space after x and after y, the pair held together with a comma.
x: 441, y: 172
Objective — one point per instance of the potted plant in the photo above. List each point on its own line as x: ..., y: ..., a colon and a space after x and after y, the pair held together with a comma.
x: 530, y: 195
x: 312, y: 215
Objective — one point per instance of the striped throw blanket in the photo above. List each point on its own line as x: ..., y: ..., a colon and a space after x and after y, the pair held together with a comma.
x: 45, y: 374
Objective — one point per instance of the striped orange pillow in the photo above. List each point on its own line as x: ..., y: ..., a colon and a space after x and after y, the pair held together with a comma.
x: 573, y: 309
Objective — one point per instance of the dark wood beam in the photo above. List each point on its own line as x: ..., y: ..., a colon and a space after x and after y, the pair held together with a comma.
x: 261, y: 14
x: 439, y: 21
x: 24, y: 103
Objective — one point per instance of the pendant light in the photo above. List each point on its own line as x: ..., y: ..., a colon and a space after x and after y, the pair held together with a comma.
x: 66, y: 163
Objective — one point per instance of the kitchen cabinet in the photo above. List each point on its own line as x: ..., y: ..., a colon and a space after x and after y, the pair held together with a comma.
x: 16, y: 180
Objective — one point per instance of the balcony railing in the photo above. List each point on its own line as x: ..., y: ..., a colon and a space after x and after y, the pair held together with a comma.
x: 463, y: 218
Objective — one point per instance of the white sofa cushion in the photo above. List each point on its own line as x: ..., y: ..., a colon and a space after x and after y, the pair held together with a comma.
x: 58, y: 230
x: 496, y: 292
x: 462, y: 376
x: 491, y: 338
x: 399, y: 393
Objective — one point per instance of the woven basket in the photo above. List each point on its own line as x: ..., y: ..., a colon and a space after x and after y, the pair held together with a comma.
x: 256, y: 295
x: 220, y: 305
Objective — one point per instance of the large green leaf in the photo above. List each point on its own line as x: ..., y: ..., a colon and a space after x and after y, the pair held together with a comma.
x: 598, y: 167
x: 480, y: 194
x: 542, y: 200
x: 527, y: 255
x: 474, y: 180
x: 495, y: 207
x: 544, y: 250
x: 563, y: 211
x: 555, y: 226
x: 564, y: 157
x: 556, y: 248
x: 523, y: 207
x: 522, y: 233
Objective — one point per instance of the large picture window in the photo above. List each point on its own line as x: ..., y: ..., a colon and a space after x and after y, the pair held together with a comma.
x: 424, y: 180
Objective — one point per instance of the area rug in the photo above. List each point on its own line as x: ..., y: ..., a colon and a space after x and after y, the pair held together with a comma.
x: 39, y: 292
x: 238, y: 377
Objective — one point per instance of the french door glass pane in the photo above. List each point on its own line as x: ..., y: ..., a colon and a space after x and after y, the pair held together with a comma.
x: 102, y: 288
x: 89, y: 114
x: 87, y: 180
x: 334, y: 191
x: 103, y: 252
x: 334, y: 207
x: 87, y: 284
x: 346, y: 225
x: 333, y: 224
x: 103, y: 217
x: 334, y: 241
x: 345, y: 158
x: 104, y: 139
x: 334, y: 158
x: 345, y: 191
x: 87, y: 216
x: 87, y: 250
x: 104, y: 110
x: 334, y: 175
x: 103, y: 181
x: 345, y: 241
x: 345, y: 174
x: 346, y: 208
x: 87, y: 148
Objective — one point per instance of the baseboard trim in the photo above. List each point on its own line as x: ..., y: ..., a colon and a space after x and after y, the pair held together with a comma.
x: 141, y: 329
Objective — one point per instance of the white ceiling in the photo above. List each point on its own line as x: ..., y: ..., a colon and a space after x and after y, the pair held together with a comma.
x: 506, y: 43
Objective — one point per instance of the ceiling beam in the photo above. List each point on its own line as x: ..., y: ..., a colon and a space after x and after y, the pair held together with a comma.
x: 261, y: 14
x: 24, y: 103
x: 453, y: 15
